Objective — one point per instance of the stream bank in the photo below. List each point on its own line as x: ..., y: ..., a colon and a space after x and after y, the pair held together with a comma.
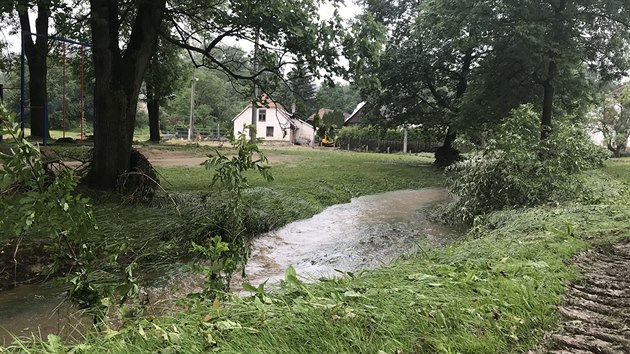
x: 369, y: 232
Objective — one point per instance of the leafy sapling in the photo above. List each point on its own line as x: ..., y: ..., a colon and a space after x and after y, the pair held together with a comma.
x: 226, y: 255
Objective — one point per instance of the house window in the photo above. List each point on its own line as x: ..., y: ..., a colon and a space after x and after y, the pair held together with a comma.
x: 270, y: 132
x: 262, y: 115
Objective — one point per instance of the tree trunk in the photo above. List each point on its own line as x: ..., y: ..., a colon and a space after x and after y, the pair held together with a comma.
x: 548, y: 94
x: 446, y: 155
x: 36, y: 53
x: 118, y: 80
x: 37, y: 70
x: 153, y: 106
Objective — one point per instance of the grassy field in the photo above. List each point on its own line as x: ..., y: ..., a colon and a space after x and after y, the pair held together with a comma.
x: 306, y: 181
x: 494, y: 292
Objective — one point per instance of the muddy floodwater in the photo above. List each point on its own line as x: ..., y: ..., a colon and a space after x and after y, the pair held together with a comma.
x: 367, y: 233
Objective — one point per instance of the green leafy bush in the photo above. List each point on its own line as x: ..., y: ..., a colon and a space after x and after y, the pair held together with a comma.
x: 39, y: 203
x: 38, y: 199
x: 518, y: 169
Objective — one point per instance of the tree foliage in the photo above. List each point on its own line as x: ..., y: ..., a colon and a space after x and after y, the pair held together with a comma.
x: 339, y: 98
x: 518, y: 169
x: 36, y: 199
x: 466, y: 64
x: 217, y: 101
x: 226, y: 257
x: 299, y: 90
x: 612, y: 119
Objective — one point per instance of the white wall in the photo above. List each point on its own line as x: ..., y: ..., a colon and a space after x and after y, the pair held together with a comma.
x: 304, y: 131
x: 274, y: 119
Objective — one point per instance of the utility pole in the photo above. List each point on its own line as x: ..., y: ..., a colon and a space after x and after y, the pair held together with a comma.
x: 254, y: 125
x: 192, y: 105
x: 405, y: 139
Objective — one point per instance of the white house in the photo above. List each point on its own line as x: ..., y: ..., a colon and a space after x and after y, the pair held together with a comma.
x: 274, y: 124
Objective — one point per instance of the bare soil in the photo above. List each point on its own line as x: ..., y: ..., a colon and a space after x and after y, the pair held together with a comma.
x: 174, y: 158
x: 596, y: 312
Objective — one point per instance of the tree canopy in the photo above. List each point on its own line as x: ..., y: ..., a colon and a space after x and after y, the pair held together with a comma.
x: 465, y: 64
x: 283, y: 30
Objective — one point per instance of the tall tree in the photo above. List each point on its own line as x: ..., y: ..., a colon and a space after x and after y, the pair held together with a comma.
x: 281, y: 28
x: 119, y: 74
x: 36, y: 43
x: 165, y: 74
x: 36, y: 51
x: 560, y: 39
x: 426, y: 67
x: 462, y: 64
x: 303, y: 90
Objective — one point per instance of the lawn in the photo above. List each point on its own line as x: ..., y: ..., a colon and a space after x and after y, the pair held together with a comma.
x: 494, y: 292
x: 306, y: 181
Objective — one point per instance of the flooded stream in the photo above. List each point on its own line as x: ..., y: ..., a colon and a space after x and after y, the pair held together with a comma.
x: 367, y: 233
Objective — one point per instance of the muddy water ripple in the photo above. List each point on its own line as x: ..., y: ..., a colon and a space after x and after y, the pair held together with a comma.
x: 366, y: 233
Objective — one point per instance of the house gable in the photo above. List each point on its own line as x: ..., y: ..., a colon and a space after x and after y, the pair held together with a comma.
x: 277, y: 126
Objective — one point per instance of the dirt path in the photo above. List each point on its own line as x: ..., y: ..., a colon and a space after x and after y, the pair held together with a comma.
x: 597, y: 309
x: 180, y: 158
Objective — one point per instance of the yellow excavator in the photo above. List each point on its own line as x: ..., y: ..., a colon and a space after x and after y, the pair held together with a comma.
x: 326, y: 141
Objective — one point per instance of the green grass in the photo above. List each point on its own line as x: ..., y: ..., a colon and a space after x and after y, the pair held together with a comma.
x: 619, y: 168
x: 494, y: 292
x: 305, y: 183
x: 305, y: 169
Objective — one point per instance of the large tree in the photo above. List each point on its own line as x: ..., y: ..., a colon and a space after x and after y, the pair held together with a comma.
x: 465, y: 64
x: 558, y: 40
x: 427, y: 64
x: 36, y: 52
x: 52, y: 18
x: 281, y: 27
x: 303, y: 90
x: 165, y: 74
x: 119, y: 74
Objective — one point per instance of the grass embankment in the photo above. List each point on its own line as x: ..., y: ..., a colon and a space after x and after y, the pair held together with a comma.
x: 306, y: 182
x: 495, y: 292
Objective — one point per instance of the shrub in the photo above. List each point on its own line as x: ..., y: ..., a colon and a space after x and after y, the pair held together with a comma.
x: 518, y: 169
x: 36, y: 198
